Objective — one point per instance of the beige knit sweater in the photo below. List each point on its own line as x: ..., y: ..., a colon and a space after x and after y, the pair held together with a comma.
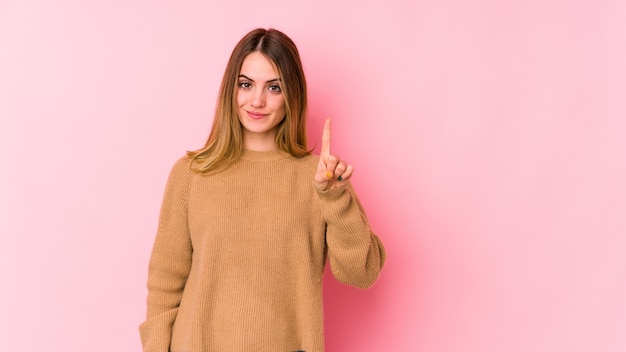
x: 239, y: 256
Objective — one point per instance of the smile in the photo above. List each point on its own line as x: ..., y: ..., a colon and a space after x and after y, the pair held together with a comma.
x: 256, y: 115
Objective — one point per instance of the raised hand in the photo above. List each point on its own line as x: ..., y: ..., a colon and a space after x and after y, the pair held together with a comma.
x: 332, y: 172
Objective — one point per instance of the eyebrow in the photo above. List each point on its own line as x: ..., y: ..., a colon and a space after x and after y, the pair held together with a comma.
x: 250, y: 79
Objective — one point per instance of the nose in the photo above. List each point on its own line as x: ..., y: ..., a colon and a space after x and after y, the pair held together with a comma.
x: 258, y: 98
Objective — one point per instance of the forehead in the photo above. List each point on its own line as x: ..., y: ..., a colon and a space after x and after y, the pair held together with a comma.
x: 257, y: 66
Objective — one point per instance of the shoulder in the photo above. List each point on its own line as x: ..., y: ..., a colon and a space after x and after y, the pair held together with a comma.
x: 181, y: 168
x: 182, y: 163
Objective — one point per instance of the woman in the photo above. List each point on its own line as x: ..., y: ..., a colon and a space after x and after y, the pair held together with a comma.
x: 248, y: 221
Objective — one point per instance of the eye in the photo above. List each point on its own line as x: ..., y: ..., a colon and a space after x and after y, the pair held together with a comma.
x: 244, y: 84
x: 275, y: 88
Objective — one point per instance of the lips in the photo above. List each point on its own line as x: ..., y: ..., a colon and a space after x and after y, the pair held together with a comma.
x: 256, y: 115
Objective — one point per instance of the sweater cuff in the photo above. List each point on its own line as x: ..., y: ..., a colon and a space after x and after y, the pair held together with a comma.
x: 337, y: 203
x: 332, y: 194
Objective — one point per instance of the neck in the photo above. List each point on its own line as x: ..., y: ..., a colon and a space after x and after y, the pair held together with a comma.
x: 259, y: 143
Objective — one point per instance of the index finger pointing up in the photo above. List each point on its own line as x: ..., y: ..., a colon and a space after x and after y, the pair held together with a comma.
x: 325, y: 152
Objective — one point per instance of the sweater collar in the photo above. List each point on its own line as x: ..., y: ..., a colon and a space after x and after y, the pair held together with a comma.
x: 253, y: 155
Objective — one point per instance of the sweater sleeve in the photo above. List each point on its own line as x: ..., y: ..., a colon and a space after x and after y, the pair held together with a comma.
x: 170, y: 262
x: 355, y: 253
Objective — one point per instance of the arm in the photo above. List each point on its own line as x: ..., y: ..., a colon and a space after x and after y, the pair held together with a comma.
x: 356, y: 255
x: 170, y: 262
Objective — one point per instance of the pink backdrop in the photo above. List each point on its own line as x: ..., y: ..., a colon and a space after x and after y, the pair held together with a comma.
x: 487, y: 137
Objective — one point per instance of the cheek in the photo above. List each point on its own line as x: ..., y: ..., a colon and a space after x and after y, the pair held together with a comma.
x: 240, y: 98
x: 279, y: 104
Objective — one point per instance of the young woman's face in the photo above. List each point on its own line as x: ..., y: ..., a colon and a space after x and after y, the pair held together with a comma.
x: 260, y: 102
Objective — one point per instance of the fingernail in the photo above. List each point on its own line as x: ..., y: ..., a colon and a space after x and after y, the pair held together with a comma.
x: 329, y: 175
x: 339, y: 178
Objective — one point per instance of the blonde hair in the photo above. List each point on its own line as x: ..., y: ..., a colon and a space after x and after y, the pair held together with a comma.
x: 225, y: 143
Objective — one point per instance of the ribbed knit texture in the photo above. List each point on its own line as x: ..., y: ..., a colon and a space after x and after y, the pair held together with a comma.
x: 239, y: 256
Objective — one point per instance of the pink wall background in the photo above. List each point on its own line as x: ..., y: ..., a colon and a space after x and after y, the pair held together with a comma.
x: 487, y: 136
